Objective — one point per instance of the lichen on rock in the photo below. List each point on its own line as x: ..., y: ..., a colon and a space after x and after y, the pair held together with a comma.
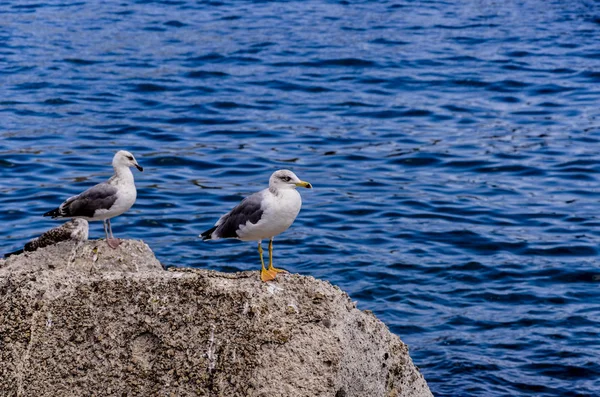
x: 83, y: 318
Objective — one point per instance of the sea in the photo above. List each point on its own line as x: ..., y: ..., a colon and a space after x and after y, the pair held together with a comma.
x: 453, y: 147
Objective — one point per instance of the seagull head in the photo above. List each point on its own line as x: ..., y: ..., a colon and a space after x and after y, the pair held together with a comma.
x: 286, y: 179
x: 78, y: 222
x: 125, y: 159
x: 80, y: 230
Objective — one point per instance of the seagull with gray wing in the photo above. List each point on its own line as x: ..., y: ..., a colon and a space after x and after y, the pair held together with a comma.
x: 105, y: 200
x: 75, y: 229
x: 263, y: 215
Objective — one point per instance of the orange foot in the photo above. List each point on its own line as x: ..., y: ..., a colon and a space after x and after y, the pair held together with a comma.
x: 274, y: 270
x: 266, y: 275
x: 270, y: 273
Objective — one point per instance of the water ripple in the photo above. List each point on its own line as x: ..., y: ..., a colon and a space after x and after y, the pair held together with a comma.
x: 453, y: 151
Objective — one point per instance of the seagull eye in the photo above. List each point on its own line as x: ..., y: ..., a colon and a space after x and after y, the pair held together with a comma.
x: 286, y: 178
x: 130, y: 158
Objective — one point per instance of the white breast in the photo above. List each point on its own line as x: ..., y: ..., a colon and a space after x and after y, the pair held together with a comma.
x: 126, y: 199
x: 279, y: 212
x: 126, y: 196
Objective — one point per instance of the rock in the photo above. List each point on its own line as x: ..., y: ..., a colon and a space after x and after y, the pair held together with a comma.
x: 83, y: 319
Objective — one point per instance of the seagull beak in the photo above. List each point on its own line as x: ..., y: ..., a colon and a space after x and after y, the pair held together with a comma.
x: 304, y: 184
x: 139, y: 167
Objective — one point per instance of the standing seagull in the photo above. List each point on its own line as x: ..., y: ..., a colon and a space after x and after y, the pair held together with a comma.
x: 75, y: 229
x: 105, y: 200
x: 264, y: 214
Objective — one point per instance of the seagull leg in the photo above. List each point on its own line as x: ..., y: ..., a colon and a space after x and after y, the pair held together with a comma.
x: 264, y: 274
x: 105, y: 229
x: 272, y: 270
x: 112, y: 242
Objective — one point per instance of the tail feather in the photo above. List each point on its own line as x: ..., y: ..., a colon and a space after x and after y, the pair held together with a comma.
x: 207, y: 235
x: 54, y: 213
x: 17, y: 252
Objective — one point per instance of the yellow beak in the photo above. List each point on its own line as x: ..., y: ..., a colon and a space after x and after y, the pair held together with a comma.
x: 304, y: 184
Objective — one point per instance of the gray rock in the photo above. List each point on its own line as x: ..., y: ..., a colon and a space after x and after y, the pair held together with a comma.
x: 83, y: 319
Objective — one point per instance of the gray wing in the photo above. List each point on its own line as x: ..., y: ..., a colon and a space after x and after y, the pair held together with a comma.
x: 52, y: 236
x: 101, y: 196
x: 250, y: 209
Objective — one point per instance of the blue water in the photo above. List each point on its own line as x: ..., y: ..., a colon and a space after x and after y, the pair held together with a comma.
x: 453, y: 148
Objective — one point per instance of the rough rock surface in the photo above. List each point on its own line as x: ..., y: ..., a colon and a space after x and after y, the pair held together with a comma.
x: 85, y: 320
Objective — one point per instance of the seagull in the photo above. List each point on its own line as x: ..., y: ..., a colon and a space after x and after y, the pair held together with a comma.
x: 105, y: 200
x: 75, y: 229
x: 263, y: 215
